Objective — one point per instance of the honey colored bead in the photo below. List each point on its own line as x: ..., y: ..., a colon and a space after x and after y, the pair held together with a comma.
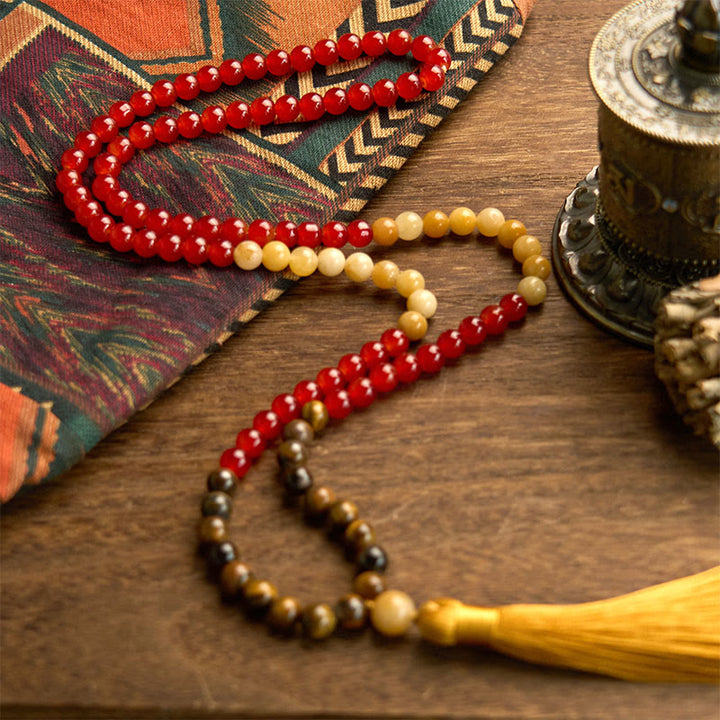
x: 413, y: 324
x: 259, y: 595
x: 319, y: 621
x: 359, y: 267
x: 284, y: 615
x: 424, y: 302
x: 351, y: 612
x: 526, y: 246
x: 537, y: 266
x: 385, y: 274
x: 276, y: 256
x: 392, y: 613
x: 331, y: 262
x: 408, y: 281
x: 385, y: 231
x: 489, y: 221
x: 303, y: 261
x: 409, y: 225
x: 248, y: 255
x: 369, y: 584
x: 315, y: 414
x: 533, y: 289
x: 509, y: 232
x: 436, y: 224
x: 462, y: 221
x: 234, y: 576
x: 212, y: 530
x: 318, y: 501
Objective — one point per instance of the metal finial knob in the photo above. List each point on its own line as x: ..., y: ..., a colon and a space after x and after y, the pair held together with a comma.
x: 698, y: 24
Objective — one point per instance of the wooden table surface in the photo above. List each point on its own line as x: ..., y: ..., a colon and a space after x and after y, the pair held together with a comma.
x: 549, y: 467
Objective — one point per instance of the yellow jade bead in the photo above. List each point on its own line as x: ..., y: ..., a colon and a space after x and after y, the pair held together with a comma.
x: 413, y: 324
x: 509, y: 232
x: 538, y: 266
x: 385, y: 274
x: 408, y: 281
x: 331, y: 262
x: 424, y: 302
x: 303, y: 261
x: 248, y: 255
x: 533, y: 289
x: 436, y: 224
x: 409, y: 225
x: 385, y: 231
x: 276, y: 255
x: 526, y: 246
x: 489, y: 221
x: 462, y: 221
x: 359, y: 267
x: 393, y: 612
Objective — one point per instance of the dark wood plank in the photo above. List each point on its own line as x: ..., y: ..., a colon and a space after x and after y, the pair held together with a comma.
x: 549, y: 467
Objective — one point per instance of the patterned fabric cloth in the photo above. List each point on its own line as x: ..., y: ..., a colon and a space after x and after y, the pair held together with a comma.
x: 89, y: 335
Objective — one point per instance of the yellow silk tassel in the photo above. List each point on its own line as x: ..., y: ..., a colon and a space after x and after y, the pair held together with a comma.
x: 664, y: 633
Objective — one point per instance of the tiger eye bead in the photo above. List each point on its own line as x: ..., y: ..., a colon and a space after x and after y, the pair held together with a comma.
x: 212, y: 530
x: 291, y: 452
x: 284, y: 614
x: 374, y: 558
x: 216, y: 503
x: 299, y: 430
x: 358, y: 535
x: 223, y: 480
x: 218, y: 555
x: 259, y: 595
x: 342, y: 513
x: 316, y: 415
x: 297, y: 480
x: 318, y: 502
x: 319, y: 621
x: 369, y: 584
x: 233, y: 578
x: 351, y: 612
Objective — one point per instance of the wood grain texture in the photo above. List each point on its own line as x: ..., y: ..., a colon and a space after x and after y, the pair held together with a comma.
x: 548, y: 467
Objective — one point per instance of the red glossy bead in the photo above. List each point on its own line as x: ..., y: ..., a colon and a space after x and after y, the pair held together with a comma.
x: 338, y: 404
x: 135, y: 213
x: 121, y: 148
x: 374, y: 43
x: 302, y: 59
x: 286, y: 233
x: 262, y: 111
x: 251, y: 442
x: 287, y: 108
x: 234, y: 230
x: 100, y: 227
x: 349, y: 46
x: 373, y: 353
x: 170, y: 247
x: 360, y: 233
x: 495, y: 319
x: 312, y: 106
x: 208, y: 78
x: 286, y: 407
x: 220, y: 253
x: 122, y: 113
x: 451, y: 344
x: 141, y: 135
x: 384, y: 377
x: 408, y: 86
x: 182, y: 224
x: 103, y: 185
x: 76, y: 196
x: 325, y: 52
x: 515, y: 306
x: 268, y: 424
x: 238, y: 115
x: 117, y: 200
x: 421, y: 47
x: 231, y: 72
x: 395, y: 341
x: 121, y: 237
x: 352, y: 366
x: 213, y: 119
x: 307, y: 390
x: 399, y: 41
x: 407, y: 367
x: 330, y: 378
x: 164, y: 93
x: 107, y: 164
x: 187, y: 86
x: 334, y: 234
x: 104, y: 127
x: 385, y: 93
x: 67, y: 179
x: 88, y: 210
x: 158, y: 220
x: 360, y: 96
x: 88, y: 142
x: 254, y: 66
x: 336, y: 101
x: 145, y: 243
x: 432, y: 77
x: 430, y: 358
x: 190, y: 125
x: 194, y: 249
x: 235, y: 460
x: 472, y: 330
x: 261, y: 232
x: 278, y: 62
x: 439, y: 56
x: 308, y: 234
x: 74, y: 159
x: 143, y: 103
x: 208, y: 226
x: 361, y: 392
x: 166, y: 129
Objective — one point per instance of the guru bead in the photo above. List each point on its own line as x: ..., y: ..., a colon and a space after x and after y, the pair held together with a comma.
x: 392, y: 613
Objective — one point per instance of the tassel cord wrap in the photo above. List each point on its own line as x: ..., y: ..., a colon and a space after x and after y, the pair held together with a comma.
x: 665, y: 633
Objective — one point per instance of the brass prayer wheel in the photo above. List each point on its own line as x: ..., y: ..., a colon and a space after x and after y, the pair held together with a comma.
x: 647, y: 219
